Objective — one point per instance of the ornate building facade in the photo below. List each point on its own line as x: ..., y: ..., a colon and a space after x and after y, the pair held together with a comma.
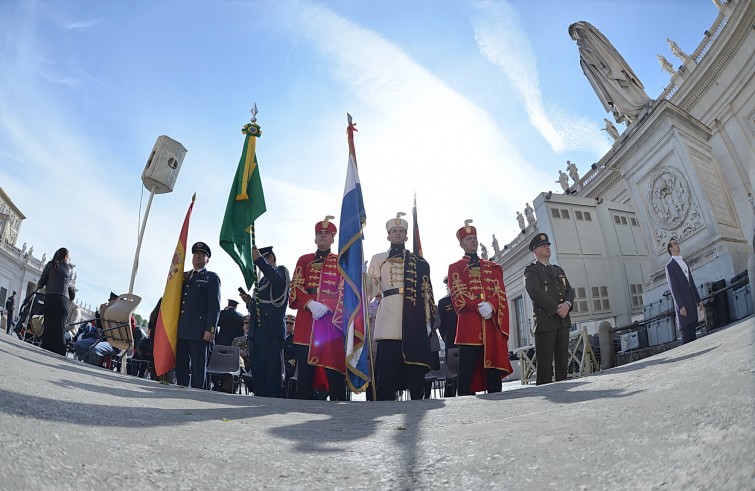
x: 684, y: 168
x: 19, y: 269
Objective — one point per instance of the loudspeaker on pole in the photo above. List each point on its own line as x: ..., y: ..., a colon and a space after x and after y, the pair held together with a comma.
x: 163, y: 165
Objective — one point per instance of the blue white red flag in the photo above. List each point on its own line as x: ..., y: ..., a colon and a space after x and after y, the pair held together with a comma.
x: 350, y: 260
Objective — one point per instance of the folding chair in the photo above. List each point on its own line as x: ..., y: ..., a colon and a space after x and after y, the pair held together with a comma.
x: 115, y: 318
x: 432, y: 377
x: 527, y: 364
x: 225, y: 360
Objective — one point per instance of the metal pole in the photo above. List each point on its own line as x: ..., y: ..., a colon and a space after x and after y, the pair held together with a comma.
x: 139, y: 242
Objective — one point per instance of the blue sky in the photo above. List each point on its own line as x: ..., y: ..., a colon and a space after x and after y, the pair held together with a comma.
x: 473, y: 105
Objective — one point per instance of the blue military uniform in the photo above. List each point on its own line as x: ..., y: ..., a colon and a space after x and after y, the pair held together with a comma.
x: 200, y: 309
x: 266, y: 334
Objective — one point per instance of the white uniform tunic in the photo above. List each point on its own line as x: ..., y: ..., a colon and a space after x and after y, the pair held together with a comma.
x: 386, y: 275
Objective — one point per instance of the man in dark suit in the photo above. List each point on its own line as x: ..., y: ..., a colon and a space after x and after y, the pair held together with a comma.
x: 197, y: 322
x: 230, y: 324
x: 682, y: 285
x: 552, y: 298
x: 268, y: 329
x: 10, y: 305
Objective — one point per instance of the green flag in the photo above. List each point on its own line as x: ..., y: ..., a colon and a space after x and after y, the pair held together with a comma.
x: 245, y: 203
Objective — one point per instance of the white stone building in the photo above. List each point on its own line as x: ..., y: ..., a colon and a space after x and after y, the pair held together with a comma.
x: 19, y: 269
x: 684, y: 169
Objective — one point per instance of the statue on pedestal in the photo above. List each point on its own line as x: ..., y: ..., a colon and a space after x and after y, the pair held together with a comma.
x: 611, y: 130
x: 483, y: 251
x: 520, y: 219
x: 563, y: 179
x: 678, y: 52
x: 614, y: 82
x: 666, y: 65
x: 496, y: 247
x: 571, y: 167
x: 529, y: 212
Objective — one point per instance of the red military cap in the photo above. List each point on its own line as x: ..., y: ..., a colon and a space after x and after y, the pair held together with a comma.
x: 466, y: 230
x: 326, y: 224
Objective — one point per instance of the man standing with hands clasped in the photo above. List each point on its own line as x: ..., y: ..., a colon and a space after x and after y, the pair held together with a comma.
x: 482, y: 334
x: 314, y: 293
x: 682, y: 285
x: 198, y: 320
x: 552, y: 298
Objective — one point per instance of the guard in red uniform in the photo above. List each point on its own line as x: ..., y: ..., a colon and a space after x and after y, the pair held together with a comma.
x: 482, y: 331
x: 318, y: 342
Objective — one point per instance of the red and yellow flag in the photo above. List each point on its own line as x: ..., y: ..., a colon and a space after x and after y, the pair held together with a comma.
x: 166, y: 332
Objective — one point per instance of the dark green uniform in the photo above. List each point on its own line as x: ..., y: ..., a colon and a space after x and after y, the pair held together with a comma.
x: 548, y: 287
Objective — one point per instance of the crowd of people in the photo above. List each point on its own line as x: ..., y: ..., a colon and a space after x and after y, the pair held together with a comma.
x: 303, y: 356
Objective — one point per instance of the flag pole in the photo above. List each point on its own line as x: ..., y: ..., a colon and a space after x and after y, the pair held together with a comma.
x: 364, y: 302
x: 368, y: 338
x: 258, y: 323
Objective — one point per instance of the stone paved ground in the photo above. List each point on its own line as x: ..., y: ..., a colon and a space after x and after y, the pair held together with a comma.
x: 682, y: 419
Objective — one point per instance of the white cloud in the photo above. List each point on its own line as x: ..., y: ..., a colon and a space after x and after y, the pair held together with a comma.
x: 82, y: 24
x: 423, y: 136
x: 504, y: 43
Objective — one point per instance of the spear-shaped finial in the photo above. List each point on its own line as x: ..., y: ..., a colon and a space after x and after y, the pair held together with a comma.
x: 348, y: 118
x: 254, y: 113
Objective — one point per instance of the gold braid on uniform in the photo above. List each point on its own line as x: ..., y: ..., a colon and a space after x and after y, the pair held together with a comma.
x: 427, y: 295
x: 459, y: 291
x: 410, y: 278
x: 297, y: 282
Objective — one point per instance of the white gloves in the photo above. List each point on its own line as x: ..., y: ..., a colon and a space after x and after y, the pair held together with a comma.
x: 485, y: 310
x: 317, y: 309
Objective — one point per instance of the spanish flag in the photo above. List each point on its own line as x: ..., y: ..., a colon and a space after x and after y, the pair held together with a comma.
x: 166, y: 332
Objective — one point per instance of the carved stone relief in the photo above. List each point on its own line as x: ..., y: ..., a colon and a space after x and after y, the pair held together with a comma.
x: 671, y: 207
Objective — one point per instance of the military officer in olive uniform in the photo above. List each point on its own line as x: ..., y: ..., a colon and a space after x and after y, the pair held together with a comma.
x: 552, y: 298
x: 198, y: 320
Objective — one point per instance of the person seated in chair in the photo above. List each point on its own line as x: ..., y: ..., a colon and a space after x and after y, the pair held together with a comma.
x: 91, y: 347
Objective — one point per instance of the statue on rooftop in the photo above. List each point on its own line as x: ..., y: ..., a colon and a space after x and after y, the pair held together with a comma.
x: 520, y: 219
x: 529, y: 212
x: 571, y: 167
x: 563, y: 179
x: 666, y: 65
x: 614, y: 82
x: 611, y: 129
x: 677, y: 51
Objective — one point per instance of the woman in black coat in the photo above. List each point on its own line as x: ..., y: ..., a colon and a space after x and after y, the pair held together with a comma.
x: 56, y: 278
